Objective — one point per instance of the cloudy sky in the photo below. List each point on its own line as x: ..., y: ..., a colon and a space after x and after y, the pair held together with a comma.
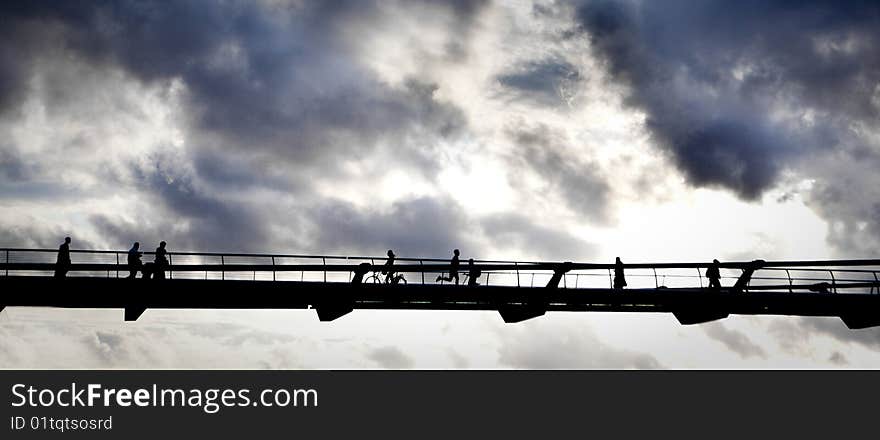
x: 554, y: 130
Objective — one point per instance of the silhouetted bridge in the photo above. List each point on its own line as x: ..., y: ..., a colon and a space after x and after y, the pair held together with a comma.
x: 519, y: 290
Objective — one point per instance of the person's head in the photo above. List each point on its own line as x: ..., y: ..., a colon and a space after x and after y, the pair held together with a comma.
x: 455, y: 252
x: 470, y: 261
x: 136, y: 245
x: 617, y: 260
x: 390, y: 253
x: 162, y: 245
x: 715, y: 261
x: 67, y: 240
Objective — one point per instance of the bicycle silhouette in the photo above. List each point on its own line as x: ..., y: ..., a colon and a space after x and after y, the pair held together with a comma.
x: 389, y: 278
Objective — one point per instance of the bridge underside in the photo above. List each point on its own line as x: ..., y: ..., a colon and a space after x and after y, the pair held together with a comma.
x: 332, y: 300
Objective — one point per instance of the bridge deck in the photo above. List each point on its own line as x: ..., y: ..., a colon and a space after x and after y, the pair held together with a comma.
x: 849, y: 289
x: 515, y: 303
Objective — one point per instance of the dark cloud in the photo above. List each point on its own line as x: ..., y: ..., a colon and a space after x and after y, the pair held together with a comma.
x: 794, y: 335
x: 835, y: 329
x: 849, y: 199
x: 534, y: 241
x: 186, y: 215
x: 39, y: 237
x: 109, y: 347
x: 277, y: 79
x: 23, y: 179
x: 213, y: 218
x: 545, y: 151
x: 737, y: 94
x: 790, y: 336
x: 734, y: 340
x: 275, y: 96
x: 416, y: 227
x: 465, y: 14
x: 12, y: 166
x: 390, y: 358
x: 550, y: 81
x: 234, y: 171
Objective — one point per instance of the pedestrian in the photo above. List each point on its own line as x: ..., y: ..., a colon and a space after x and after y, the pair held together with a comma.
x: 62, y: 263
x: 134, y: 260
x: 619, y: 280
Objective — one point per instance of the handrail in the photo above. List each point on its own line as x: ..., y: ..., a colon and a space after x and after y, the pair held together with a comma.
x: 845, y: 278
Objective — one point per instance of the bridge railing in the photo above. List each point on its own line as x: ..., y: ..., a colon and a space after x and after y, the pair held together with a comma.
x: 830, y: 276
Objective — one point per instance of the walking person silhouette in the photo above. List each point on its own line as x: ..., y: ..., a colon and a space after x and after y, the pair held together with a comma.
x: 714, y: 275
x: 473, y: 273
x: 388, y: 271
x: 453, y: 270
x: 62, y: 263
x: 160, y: 262
x: 619, y: 280
x: 134, y: 260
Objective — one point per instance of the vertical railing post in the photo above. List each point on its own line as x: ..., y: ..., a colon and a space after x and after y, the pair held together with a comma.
x: 577, y: 279
x: 872, y: 289
x: 610, y: 279
x: 421, y: 267
x: 324, y: 260
x: 7, y: 263
x: 833, y: 282
x: 273, y: 268
x: 516, y: 266
x: 790, y: 284
x: 656, y: 284
x: 222, y: 267
x: 487, y: 278
x: 117, y: 265
x: 700, y: 277
x: 532, y: 282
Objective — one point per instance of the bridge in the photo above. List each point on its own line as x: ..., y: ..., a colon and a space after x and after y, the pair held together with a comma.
x: 336, y: 285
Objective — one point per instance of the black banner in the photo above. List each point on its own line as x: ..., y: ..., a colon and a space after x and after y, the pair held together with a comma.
x: 453, y: 404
